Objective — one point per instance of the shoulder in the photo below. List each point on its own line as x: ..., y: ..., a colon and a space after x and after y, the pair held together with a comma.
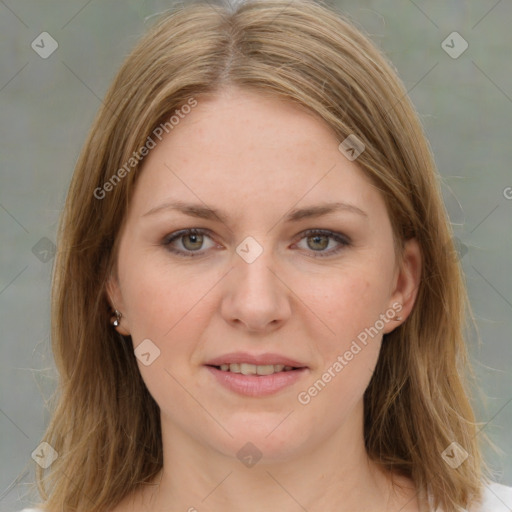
x: 495, y: 498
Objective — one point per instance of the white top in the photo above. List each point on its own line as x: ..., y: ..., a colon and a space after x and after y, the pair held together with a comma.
x: 496, y: 498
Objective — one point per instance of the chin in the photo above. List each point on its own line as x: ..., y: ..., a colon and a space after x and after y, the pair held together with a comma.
x: 264, y: 436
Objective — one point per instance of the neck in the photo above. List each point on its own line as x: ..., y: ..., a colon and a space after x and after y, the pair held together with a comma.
x: 333, y: 475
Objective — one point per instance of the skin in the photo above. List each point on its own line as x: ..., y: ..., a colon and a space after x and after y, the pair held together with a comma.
x: 255, y: 158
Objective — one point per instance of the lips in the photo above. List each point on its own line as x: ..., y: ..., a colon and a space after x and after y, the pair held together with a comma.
x: 257, y: 385
x: 266, y: 359
x: 256, y: 375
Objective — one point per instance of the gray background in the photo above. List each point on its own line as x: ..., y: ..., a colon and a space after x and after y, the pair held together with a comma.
x: 47, y: 106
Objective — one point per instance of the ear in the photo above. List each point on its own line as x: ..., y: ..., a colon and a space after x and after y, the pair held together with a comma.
x: 115, y: 299
x: 406, y: 283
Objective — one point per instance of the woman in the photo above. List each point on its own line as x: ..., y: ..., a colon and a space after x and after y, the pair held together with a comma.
x: 256, y: 304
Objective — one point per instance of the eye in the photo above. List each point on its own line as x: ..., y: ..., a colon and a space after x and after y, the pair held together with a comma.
x: 318, y: 240
x: 191, y: 240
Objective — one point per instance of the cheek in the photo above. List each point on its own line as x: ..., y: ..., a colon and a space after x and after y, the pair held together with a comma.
x: 348, y: 339
x: 146, y: 302
x: 350, y: 306
x: 159, y: 297
x: 348, y: 302
x: 167, y: 307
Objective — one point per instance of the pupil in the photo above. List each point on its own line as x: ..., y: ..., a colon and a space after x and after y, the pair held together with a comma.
x: 195, y: 239
x: 317, y: 237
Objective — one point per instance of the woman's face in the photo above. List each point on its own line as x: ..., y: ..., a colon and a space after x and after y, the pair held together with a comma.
x: 297, y: 268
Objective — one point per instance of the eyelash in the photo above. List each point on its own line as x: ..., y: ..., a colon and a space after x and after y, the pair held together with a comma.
x: 341, y: 239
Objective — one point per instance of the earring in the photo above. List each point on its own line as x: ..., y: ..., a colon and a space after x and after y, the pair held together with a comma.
x: 117, y: 320
x: 398, y: 318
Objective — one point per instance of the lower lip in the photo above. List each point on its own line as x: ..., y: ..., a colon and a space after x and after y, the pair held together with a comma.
x: 257, y: 385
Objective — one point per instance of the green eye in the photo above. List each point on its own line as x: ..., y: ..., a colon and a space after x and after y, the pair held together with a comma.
x: 319, y: 240
x: 196, y: 241
x: 192, y: 242
x: 323, y: 244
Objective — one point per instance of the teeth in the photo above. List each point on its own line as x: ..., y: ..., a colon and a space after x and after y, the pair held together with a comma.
x: 269, y: 369
x: 248, y: 369
x: 253, y: 369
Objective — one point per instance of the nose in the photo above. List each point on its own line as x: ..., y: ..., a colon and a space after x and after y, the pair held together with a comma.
x: 255, y: 296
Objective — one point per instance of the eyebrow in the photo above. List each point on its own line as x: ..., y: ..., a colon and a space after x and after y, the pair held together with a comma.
x: 295, y: 215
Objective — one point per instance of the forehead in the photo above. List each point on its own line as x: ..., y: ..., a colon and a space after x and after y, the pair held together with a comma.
x: 247, y: 127
x: 244, y: 149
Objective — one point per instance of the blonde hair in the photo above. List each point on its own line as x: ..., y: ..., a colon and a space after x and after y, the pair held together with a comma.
x: 105, y: 425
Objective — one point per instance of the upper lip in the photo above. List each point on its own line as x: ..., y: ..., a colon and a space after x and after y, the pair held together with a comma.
x: 257, y: 359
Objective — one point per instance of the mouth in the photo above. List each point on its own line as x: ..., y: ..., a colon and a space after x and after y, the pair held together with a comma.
x: 254, y: 375
x: 255, y: 369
